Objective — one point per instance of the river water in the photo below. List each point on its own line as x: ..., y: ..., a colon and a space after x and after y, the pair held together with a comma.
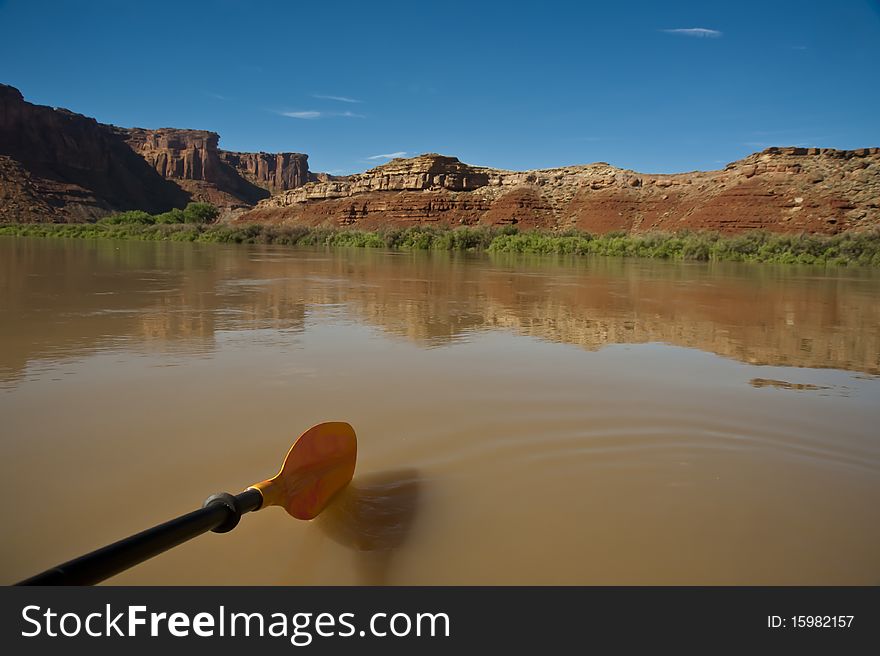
x: 520, y: 420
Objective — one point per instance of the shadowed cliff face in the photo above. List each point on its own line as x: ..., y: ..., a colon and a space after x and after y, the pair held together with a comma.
x: 192, y: 160
x: 779, y: 189
x: 274, y: 172
x: 59, y: 166
x: 179, y: 297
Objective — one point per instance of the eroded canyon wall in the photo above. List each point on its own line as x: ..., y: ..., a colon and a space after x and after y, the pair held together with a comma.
x: 58, y: 166
x: 193, y: 160
x: 779, y: 189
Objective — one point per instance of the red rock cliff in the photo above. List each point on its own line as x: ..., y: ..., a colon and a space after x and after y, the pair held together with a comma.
x: 274, y: 172
x: 193, y: 160
x: 59, y: 166
x: 56, y: 165
x: 779, y: 189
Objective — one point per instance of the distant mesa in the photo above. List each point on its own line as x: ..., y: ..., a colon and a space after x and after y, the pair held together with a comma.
x: 779, y: 190
x: 192, y: 159
x: 64, y: 167
x: 58, y: 166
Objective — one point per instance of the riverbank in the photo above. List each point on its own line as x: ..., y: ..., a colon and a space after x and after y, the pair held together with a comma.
x: 853, y: 249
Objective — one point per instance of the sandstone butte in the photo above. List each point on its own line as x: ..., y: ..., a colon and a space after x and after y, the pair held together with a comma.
x: 59, y: 166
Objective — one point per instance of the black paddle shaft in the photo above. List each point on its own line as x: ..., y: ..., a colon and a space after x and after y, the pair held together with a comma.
x: 220, y: 513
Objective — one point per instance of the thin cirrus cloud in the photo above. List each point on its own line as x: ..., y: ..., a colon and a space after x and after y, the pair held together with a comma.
x: 344, y: 99
x: 312, y: 114
x: 399, y: 153
x: 305, y: 115
x: 699, y: 32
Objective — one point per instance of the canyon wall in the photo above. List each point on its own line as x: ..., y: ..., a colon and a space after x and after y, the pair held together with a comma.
x: 58, y: 166
x: 193, y: 160
x: 779, y: 189
x: 274, y: 172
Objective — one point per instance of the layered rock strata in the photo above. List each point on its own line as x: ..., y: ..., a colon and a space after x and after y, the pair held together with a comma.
x: 193, y: 160
x: 274, y: 172
x: 779, y: 189
x: 58, y: 166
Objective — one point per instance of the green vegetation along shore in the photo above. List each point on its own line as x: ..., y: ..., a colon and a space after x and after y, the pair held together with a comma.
x: 862, y: 249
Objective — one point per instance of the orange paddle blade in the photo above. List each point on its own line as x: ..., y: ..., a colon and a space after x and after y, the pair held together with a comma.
x: 319, y: 464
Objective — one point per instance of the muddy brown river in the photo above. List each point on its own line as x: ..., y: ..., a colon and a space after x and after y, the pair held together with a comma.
x: 520, y: 420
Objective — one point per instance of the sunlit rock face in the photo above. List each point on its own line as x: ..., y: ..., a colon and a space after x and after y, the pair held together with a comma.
x: 193, y: 160
x: 59, y: 166
x: 274, y: 172
x: 779, y: 189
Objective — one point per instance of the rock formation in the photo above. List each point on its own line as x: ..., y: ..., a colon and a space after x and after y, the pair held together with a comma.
x: 59, y: 166
x: 274, y: 172
x: 192, y: 159
x: 779, y: 189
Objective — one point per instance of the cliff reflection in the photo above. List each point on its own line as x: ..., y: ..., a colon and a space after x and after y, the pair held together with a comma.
x: 63, y: 299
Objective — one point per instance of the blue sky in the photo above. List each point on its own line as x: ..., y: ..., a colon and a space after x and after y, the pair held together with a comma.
x: 653, y: 86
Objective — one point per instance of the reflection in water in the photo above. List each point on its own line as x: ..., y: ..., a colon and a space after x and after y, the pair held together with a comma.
x: 570, y: 415
x: 373, y: 516
x: 77, y: 297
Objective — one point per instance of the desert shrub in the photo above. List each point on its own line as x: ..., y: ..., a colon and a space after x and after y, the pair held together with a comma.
x: 134, y: 217
x: 171, y: 217
x: 851, y: 248
x: 200, y: 213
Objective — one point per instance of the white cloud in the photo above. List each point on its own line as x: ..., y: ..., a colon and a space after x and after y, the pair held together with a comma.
x: 308, y: 114
x: 344, y: 99
x: 313, y: 114
x: 699, y: 32
x: 399, y: 153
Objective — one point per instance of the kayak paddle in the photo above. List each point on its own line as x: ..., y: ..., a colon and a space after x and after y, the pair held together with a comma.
x: 319, y: 464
